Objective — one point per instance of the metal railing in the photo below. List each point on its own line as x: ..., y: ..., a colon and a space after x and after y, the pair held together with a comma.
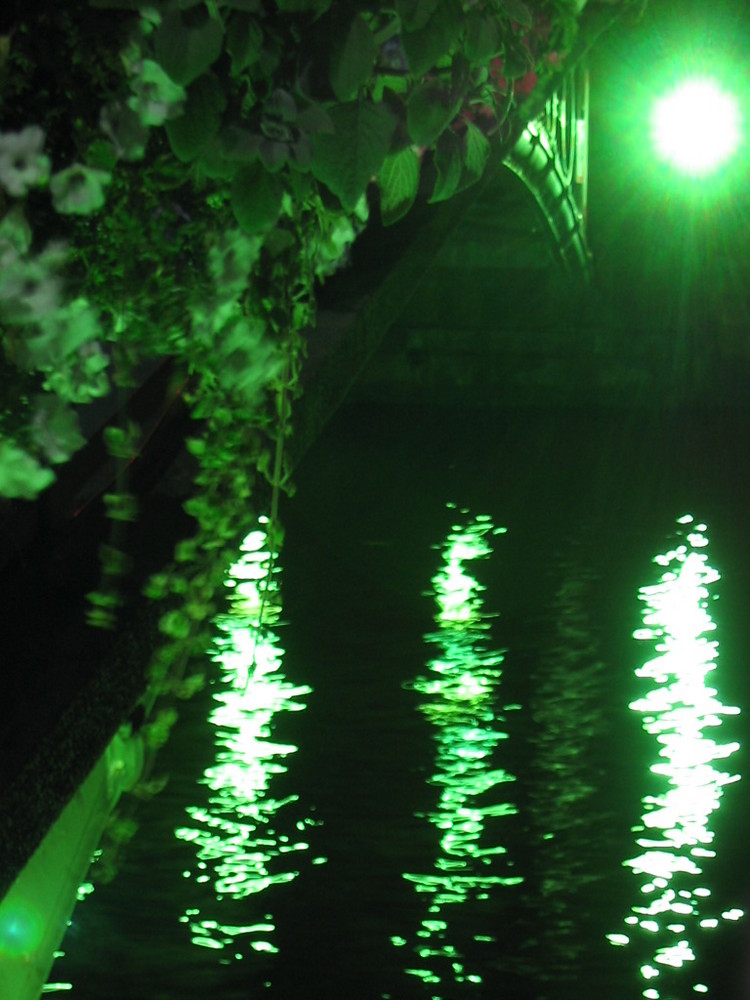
x: 551, y: 158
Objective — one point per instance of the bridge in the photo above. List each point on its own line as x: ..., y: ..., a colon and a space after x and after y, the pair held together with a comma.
x: 484, y: 299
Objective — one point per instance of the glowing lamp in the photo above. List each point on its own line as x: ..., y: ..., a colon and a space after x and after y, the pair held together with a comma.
x: 696, y: 127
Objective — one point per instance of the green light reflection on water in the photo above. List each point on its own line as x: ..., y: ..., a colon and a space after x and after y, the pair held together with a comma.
x: 458, y: 699
x: 679, y: 710
x: 237, y: 846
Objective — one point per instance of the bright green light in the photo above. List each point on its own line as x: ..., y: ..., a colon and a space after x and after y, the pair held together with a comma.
x: 238, y: 848
x: 458, y: 698
x: 696, y: 127
x: 21, y: 928
x: 683, y: 713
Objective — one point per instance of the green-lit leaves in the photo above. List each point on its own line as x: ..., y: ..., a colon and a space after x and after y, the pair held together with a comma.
x: 248, y: 360
x: 398, y: 180
x: 99, y: 617
x: 296, y: 6
x: 156, y: 733
x: 459, y: 161
x: 114, y: 561
x: 156, y: 587
x: 346, y: 160
x: 156, y: 96
x: 21, y: 475
x: 185, y: 53
x: 230, y: 259
x: 482, y: 39
x: 256, y: 198
x: 415, y: 14
x: 196, y: 127
x: 122, y: 442
x: 244, y: 42
x: 185, y: 689
x: 186, y: 550
x: 447, y: 166
x: 518, y: 11
x: 435, y: 37
x: 430, y: 109
x: 175, y: 624
x: 353, y: 59
x: 121, y: 506
x: 476, y: 152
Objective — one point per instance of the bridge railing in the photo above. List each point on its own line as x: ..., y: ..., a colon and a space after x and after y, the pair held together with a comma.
x: 551, y: 158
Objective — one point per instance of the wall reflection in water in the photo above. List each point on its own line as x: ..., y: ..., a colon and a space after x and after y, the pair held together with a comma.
x: 239, y: 850
x: 568, y: 821
x: 459, y: 698
x: 680, y: 710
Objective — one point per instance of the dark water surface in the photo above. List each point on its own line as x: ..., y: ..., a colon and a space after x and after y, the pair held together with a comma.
x: 431, y: 784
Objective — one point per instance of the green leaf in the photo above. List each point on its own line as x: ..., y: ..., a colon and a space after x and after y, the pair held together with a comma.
x: 186, y: 550
x: 347, y: 159
x: 121, y: 506
x: 20, y: 473
x: 196, y: 446
x: 518, y: 11
x: 156, y: 587
x: 101, y: 155
x: 459, y: 161
x: 476, y: 153
x: 196, y: 128
x: 294, y: 6
x: 426, y: 45
x: 353, y: 59
x: 185, y: 53
x: 482, y: 41
x: 101, y: 618
x: 448, y: 166
x: 398, y: 180
x: 430, y: 108
x: 256, y: 198
x: 244, y: 42
x: 175, y: 624
x: 314, y: 118
x: 122, y: 442
x: 117, y: 4
x: 415, y: 13
x: 114, y: 561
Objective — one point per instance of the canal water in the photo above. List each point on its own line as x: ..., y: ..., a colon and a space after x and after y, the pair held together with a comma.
x: 489, y: 741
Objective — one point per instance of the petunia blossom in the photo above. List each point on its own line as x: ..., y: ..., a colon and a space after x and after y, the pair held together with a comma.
x: 23, y: 165
x: 79, y: 190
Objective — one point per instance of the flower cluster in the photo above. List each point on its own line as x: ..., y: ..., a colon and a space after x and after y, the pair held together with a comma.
x: 76, y: 190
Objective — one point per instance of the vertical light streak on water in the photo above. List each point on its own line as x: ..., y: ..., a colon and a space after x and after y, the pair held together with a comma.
x: 459, y: 699
x: 239, y: 850
x: 679, y: 710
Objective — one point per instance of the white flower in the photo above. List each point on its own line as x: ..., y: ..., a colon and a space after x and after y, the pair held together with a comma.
x: 79, y: 190
x: 22, y: 163
x: 29, y: 291
x: 55, y: 429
